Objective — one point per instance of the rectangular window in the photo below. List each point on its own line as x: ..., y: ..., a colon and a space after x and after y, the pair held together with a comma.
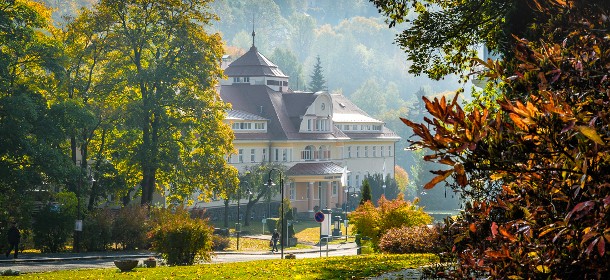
x: 293, y: 191
x: 306, y: 154
x: 349, y: 151
x: 235, y: 126
x: 308, y: 125
x: 381, y: 151
x: 346, y: 127
x: 374, y: 151
x: 357, y: 151
x: 285, y: 155
x: 240, y: 156
x: 260, y: 126
x: 334, y: 189
x: 349, y: 180
x: 252, y: 155
x: 389, y: 151
x: 358, y: 180
x: 245, y: 125
x: 277, y: 154
x: 264, y: 155
x: 366, y: 151
x: 355, y: 127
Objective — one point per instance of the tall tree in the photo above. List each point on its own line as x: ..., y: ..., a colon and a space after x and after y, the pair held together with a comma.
x: 366, y: 192
x: 317, y: 82
x: 32, y: 127
x: 288, y: 63
x: 256, y: 180
x: 173, y: 135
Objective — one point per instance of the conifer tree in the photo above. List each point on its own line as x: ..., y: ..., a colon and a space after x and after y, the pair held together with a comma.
x: 367, y: 194
x: 317, y: 82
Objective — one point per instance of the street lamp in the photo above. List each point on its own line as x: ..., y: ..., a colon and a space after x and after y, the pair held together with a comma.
x: 347, y: 206
x: 238, y: 224
x: 282, y: 233
x: 78, y: 225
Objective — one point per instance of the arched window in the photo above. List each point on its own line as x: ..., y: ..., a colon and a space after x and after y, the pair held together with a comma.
x: 308, y: 153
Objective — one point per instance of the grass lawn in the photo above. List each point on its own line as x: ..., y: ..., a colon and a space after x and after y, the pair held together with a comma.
x: 349, y: 267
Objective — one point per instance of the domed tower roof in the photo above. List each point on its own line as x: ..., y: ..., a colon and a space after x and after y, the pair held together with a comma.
x: 253, y: 64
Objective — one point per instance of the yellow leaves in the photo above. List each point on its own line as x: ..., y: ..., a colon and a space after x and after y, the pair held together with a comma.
x: 591, y: 133
x: 543, y: 269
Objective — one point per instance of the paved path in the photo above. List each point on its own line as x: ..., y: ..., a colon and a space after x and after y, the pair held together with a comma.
x: 28, y: 263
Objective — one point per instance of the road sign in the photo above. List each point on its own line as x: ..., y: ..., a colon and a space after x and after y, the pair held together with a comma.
x: 319, y: 217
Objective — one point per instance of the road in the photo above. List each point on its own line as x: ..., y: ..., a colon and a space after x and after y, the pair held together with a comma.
x: 68, y: 264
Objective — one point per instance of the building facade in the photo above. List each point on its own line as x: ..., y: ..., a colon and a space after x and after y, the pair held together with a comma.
x: 326, y: 143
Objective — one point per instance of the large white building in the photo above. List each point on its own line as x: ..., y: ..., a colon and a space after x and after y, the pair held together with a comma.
x: 317, y: 136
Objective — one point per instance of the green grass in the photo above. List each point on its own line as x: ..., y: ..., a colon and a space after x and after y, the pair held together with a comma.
x: 350, y: 267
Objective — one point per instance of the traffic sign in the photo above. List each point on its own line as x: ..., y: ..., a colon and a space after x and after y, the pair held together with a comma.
x: 319, y: 217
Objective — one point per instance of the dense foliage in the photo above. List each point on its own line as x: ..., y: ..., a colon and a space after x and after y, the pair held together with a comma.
x: 54, y: 223
x: 535, y: 169
x: 129, y: 227
x: 373, y: 222
x: 180, y: 239
x: 408, y: 240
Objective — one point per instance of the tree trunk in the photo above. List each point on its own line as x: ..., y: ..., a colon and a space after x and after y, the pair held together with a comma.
x: 251, y: 203
x: 226, y: 214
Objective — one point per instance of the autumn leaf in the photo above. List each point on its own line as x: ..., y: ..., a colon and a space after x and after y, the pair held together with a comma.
x: 442, y: 175
x: 591, y: 133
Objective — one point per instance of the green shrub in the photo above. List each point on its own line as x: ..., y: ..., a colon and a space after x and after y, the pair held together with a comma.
x: 408, y: 240
x: 372, y: 222
x: 273, y: 223
x: 97, y: 230
x: 130, y: 227
x: 180, y: 239
x: 54, y: 223
x: 219, y: 243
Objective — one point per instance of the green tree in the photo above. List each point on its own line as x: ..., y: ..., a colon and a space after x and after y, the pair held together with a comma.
x: 31, y: 123
x: 166, y: 68
x: 256, y: 179
x: 366, y: 192
x: 317, y: 82
x: 288, y: 63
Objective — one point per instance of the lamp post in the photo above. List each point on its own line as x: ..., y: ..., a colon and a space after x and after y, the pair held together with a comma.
x: 282, y: 233
x: 347, y: 207
x: 238, y: 224
x: 78, y: 225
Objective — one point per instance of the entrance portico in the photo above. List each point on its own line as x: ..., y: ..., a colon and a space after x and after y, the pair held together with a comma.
x: 315, y: 185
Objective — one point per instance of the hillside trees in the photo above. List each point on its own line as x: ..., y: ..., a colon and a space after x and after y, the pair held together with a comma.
x: 534, y: 170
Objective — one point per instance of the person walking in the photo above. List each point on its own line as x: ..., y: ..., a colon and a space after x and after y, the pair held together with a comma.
x: 13, y: 237
x: 275, y: 237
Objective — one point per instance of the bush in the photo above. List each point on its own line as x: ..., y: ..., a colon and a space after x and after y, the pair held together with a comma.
x: 130, y: 227
x: 272, y: 224
x: 373, y: 222
x: 54, y: 223
x: 180, y: 239
x: 97, y: 230
x: 219, y: 243
x: 408, y: 240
